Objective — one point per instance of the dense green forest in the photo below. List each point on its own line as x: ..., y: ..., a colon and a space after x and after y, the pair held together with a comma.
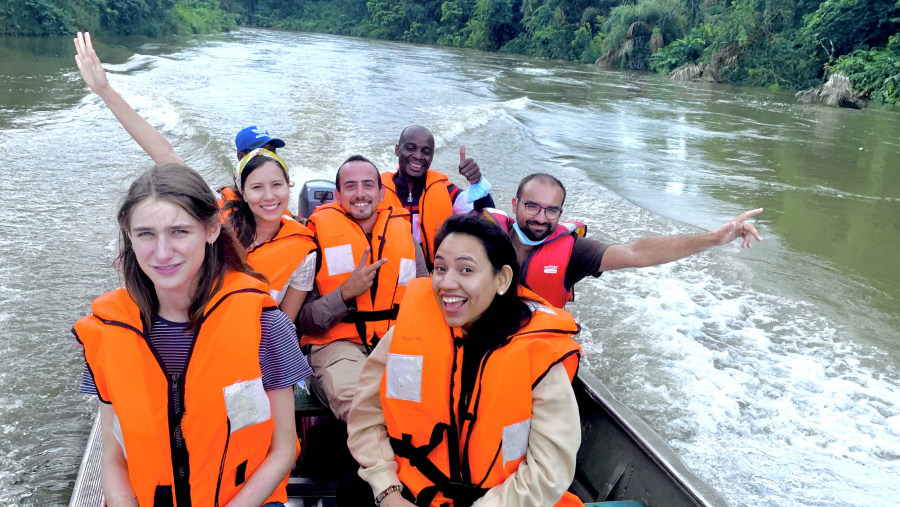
x: 792, y: 44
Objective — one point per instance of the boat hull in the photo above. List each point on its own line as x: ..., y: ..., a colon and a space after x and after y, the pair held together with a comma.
x: 621, y: 458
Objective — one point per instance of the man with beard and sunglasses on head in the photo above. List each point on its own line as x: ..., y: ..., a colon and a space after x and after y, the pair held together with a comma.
x: 555, y: 255
x: 367, y: 255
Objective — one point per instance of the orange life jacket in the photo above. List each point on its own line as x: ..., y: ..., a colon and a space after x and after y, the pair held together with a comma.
x: 544, y: 270
x: 446, y: 459
x: 226, y: 195
x: 279, y: 257
x: 435, y: 206
x: 341, y: 245
x: 194, y: 438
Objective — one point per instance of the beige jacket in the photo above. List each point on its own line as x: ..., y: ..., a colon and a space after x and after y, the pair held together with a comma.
x: 540, y: 480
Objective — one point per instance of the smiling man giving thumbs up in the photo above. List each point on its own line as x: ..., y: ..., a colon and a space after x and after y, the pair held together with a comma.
x: 368, y: 255
x: 428, y: 195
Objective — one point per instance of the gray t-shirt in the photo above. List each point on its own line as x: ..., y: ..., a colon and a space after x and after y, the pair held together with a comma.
x: 585, y: 260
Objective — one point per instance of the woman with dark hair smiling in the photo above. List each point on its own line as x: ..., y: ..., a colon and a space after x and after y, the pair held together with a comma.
x: 468, y: 400
x: 192, y: 359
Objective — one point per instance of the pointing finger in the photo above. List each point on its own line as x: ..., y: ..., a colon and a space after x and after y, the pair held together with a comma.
x: 749, y: 214
x: 377, y: 264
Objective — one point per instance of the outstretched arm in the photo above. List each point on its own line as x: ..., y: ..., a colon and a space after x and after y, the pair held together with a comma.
x: 153, y: 143
x: 654, y: 250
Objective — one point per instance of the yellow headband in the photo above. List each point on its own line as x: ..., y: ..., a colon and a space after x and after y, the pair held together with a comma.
x: 248, y: 157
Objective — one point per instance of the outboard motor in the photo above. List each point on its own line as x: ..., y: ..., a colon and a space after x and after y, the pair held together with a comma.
x: 314, y: 194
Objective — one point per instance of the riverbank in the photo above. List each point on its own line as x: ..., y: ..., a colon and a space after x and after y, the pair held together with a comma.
x: 152, y: 18
x: 776, y: 44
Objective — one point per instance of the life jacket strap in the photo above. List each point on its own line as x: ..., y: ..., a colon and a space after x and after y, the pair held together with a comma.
x: 359, y: 319
x: 373, y: 316
x: 462, y: 494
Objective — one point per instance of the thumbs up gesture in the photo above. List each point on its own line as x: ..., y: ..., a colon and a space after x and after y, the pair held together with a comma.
x: 468, y: 168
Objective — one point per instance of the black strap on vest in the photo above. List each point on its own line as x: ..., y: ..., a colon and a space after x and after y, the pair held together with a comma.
x: 359, y: 318
x: 162, y: 497
x: 462, y: 494
x: 373, y: 316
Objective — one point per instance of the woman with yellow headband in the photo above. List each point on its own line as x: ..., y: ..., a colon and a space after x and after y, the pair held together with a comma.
x: 277, y: 246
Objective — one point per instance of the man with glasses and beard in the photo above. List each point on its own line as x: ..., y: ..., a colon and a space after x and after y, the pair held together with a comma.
x: 555, y: 255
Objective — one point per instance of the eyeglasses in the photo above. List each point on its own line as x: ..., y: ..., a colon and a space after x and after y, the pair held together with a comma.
x: 551, y: 212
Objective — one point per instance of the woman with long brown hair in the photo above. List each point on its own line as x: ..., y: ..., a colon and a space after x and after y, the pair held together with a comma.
x: 192, y: 360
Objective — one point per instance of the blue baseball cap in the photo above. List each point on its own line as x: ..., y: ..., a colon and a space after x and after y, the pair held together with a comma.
x: 254, y: 137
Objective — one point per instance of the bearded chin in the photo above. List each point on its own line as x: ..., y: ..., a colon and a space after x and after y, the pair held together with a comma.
x: 534, y: 236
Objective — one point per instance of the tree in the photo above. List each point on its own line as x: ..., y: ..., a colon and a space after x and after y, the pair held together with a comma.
x: 494, y: 23
x: 635, y: 32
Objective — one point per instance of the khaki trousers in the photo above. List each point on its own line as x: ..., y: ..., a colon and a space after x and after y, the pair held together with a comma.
x: 336, y: 367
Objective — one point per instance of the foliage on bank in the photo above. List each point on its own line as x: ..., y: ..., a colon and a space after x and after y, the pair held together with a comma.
x: 875, y: 73
x: 793, y: 44
x: 776, y: 43
x: 122, y: 17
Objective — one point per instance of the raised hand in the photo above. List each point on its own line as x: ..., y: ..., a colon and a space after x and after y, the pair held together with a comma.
x: 151, y: 140
x: 88, y: 64
x: 739, y: 228
x: 361, y: 278
x: 467, y: 167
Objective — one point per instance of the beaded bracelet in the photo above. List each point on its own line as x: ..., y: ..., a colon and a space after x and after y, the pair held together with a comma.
x: 386, y: 492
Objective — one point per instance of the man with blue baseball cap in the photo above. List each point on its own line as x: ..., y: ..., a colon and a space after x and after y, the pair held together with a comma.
x: 254, y: 137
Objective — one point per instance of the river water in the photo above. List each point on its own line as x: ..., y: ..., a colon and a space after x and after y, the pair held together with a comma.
x: 772, y: 371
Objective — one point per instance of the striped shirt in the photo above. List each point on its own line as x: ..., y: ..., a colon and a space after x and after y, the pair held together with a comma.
x: 280, y: 359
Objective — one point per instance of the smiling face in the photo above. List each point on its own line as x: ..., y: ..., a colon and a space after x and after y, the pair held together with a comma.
x: 464, y: 281
x: 169, y: 245
x: 544, y: 194
x: 414, y: 151
x: 359, y: 192
x: 267, y: 192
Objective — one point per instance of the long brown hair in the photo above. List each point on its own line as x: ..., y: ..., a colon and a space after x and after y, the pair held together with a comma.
x: 185, y: 188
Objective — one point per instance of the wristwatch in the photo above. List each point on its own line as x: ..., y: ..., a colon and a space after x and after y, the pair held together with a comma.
x: 390, y: 489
